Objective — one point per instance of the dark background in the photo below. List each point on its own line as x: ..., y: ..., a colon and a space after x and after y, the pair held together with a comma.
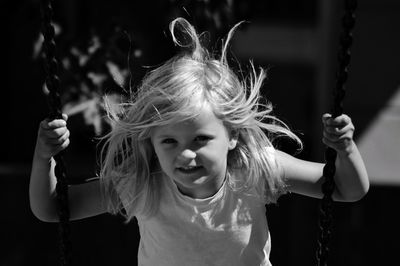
x: 300, y: 79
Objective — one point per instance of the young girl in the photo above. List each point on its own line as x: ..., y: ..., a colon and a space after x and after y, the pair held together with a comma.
x: 191, y: 157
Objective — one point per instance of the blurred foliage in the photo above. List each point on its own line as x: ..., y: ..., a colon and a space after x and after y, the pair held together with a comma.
x: 105, y: 49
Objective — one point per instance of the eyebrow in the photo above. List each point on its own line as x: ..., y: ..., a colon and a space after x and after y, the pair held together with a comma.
x: 163, y: 136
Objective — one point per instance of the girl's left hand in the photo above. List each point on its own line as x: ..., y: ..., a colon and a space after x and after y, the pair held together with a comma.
x: 338, y: 133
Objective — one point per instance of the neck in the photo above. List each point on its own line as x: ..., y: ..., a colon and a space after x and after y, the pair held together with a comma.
x: 205, y: 191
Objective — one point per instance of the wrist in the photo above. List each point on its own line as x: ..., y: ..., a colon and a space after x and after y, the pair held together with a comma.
x: 347, y: 150
x: 42, y: 156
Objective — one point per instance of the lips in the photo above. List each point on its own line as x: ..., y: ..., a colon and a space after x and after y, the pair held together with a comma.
x: 189, y: 169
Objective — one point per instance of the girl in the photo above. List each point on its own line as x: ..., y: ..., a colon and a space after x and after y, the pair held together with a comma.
x: 191, y: 157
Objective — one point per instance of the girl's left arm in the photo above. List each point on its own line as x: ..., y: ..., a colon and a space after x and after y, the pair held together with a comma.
x: 351, y: 177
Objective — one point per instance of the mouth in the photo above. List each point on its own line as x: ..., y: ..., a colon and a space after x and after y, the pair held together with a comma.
x: 189, y: 169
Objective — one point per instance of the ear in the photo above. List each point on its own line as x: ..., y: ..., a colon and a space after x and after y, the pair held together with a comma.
x: 233, y: 139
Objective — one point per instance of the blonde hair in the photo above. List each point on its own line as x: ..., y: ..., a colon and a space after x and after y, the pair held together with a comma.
x: 170, y: 93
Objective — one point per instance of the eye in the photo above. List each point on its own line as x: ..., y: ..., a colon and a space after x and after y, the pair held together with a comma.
x: 168, y: 141
x: 202, y: 138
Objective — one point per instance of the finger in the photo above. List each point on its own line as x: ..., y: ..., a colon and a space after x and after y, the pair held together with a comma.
x: 56, y: 133
x: 44, y: 124
x: 65, y: 117
x: 339, y: 131
x: 348, y: 135
x: 65, y: 144
x: 332, y: 130
x: 59, y: 140
x: 61, y: 147
x: 325, y: 117
x: 57, y: 123
x: 340, y: 121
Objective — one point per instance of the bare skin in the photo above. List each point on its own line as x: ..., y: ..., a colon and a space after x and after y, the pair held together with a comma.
x: 303, y: 177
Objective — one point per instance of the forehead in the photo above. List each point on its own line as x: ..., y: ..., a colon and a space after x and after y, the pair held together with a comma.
x: 205, y: 120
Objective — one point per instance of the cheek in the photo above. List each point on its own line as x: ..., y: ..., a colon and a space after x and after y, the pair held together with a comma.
x: 215, y: 156
x: 163, y: 158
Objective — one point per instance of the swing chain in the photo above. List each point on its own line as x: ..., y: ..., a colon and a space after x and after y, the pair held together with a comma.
x: 53, y: 99
x: 326, y: 204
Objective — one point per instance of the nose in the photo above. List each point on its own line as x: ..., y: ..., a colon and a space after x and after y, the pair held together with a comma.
x: 186, y: 155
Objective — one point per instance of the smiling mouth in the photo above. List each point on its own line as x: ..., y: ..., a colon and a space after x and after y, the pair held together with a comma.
x: 189, y: 169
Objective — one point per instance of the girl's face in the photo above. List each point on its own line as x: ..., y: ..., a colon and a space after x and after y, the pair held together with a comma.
x: 194, y: 153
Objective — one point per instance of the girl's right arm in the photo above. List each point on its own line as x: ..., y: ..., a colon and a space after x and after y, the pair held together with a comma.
x: 85, y: 200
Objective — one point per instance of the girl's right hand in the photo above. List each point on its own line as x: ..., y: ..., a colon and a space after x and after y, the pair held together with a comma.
x: 53, y: 137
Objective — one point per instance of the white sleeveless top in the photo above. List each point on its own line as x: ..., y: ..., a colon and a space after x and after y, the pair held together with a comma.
x: 228, y: 229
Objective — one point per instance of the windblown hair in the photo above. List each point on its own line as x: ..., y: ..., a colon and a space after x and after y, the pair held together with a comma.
x: 178, y: 90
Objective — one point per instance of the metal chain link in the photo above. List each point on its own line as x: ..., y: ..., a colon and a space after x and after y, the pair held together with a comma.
x: 53, y: 98
x: 54, y: 102
x: 326, y: 204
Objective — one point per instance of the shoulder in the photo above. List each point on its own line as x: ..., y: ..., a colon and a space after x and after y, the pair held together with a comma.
x: 123, y: 196
x: 275, y: 158
x: 265, y: 182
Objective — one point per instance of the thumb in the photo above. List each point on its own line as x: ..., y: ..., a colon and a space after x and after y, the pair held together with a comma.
x: 65, y: 116
x: 326, y: 116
